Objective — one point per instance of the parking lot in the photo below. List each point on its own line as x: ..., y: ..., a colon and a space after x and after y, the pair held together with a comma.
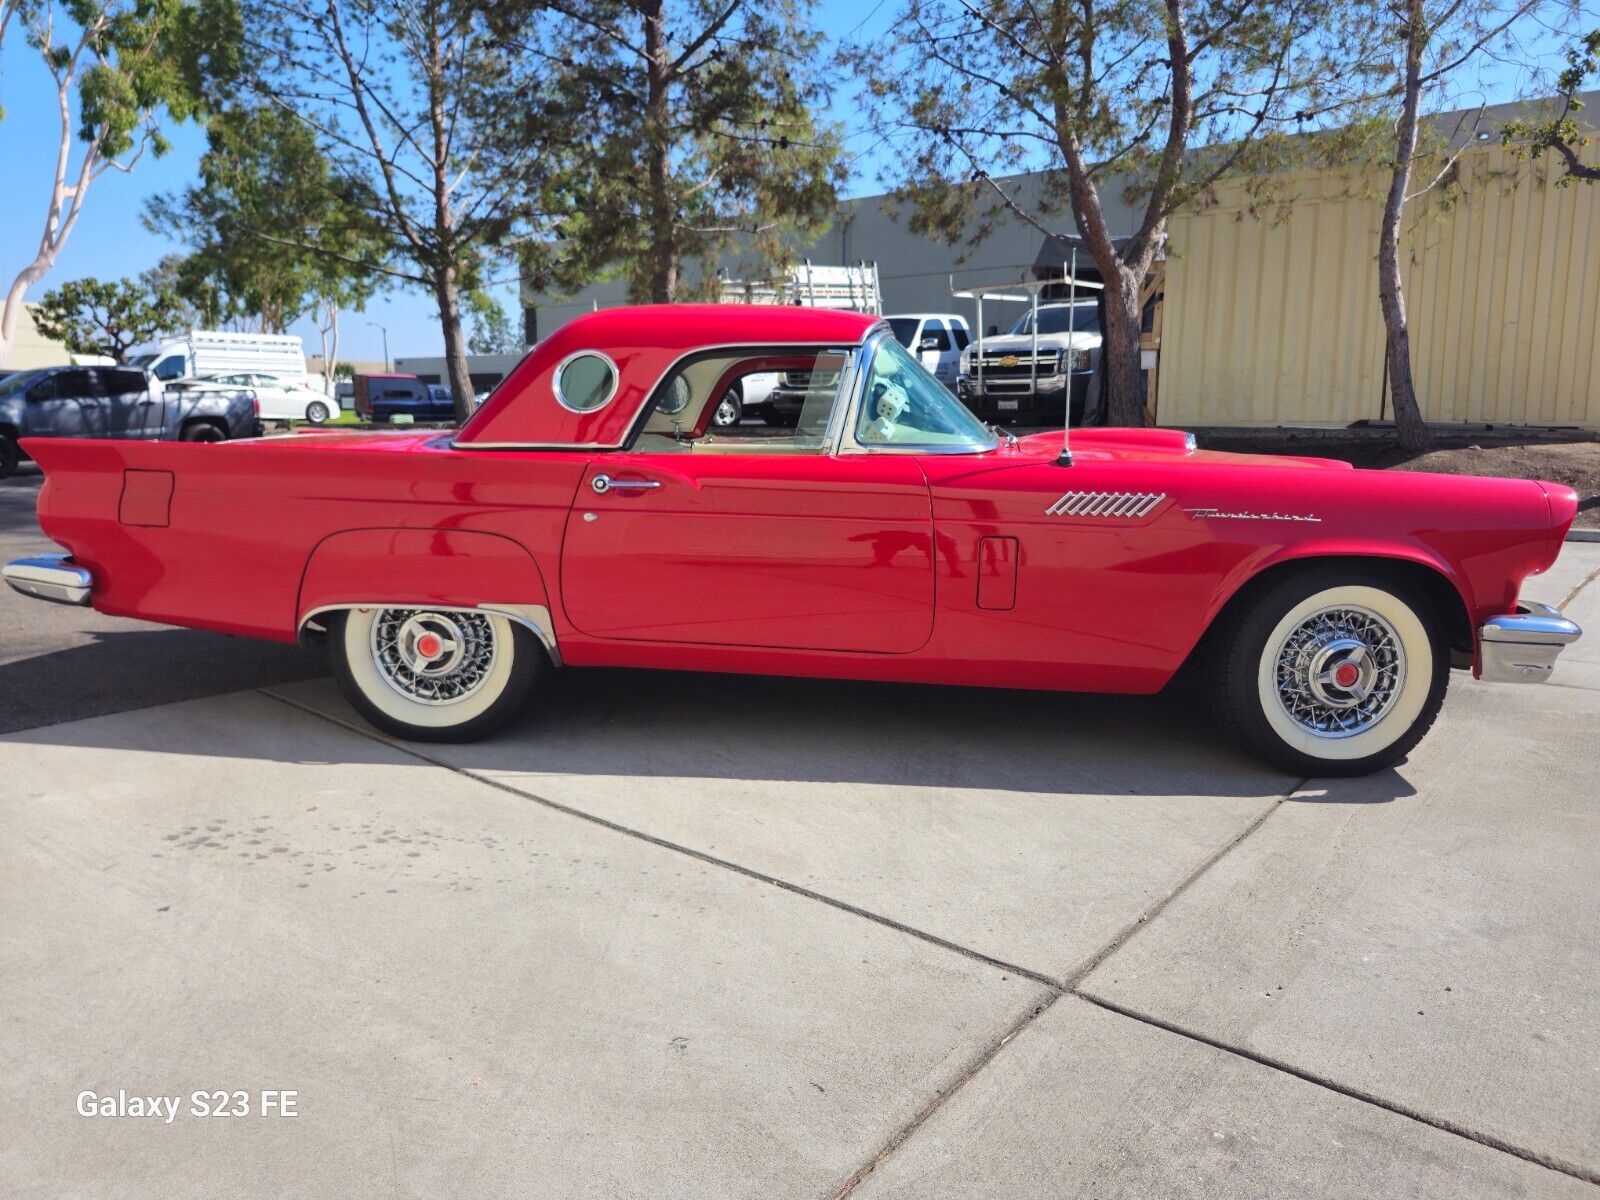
x: 702, y: 936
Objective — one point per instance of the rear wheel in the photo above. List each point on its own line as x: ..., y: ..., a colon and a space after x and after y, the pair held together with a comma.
x: 203, y: 431
x: 317, y: 412
x: 10, y: 455
x: 434, y: 675
x: 1333, y: 672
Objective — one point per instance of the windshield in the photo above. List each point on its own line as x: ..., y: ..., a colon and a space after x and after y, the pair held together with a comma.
x: 18, y: 382
x: 142, y: 360
x: 904, y: 329
x: 905, y: 406
x: 1085, y: 318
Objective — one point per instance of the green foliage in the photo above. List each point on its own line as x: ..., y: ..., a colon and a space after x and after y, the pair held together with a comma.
x: 1560, y: 132
x: 344, y: 370
x: 272, y: 228
x: 94, y: 317
x: 493, y: 330
x: 979, y: 91
x: 700, y: 141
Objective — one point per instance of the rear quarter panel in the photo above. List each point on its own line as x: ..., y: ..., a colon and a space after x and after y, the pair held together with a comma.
x: 246, y: 517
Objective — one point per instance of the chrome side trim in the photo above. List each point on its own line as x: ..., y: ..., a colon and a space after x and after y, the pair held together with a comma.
x: 1121, y: 505
x: 53, y: 577
x: 1522, y: 647
x: 535, y: 616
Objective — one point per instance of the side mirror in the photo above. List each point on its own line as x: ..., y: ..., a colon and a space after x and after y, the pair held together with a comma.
x: 930, y: 343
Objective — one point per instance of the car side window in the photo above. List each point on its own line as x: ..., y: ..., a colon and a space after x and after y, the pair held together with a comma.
x: 121, y: 381
x: 74, y: 385
x: 906, y: 406
x: 960, y: 334
x: 170, y: 368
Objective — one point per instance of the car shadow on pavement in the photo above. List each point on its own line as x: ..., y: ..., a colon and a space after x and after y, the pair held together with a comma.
x: 114, y: 671
x: 757, y: 728
x: 663, y: 724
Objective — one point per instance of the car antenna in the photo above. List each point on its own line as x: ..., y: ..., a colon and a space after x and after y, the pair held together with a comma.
x: 1064, y: 459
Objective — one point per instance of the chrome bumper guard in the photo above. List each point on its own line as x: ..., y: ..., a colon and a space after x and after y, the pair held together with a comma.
x: 1522, y: 647
x: 49, y: 577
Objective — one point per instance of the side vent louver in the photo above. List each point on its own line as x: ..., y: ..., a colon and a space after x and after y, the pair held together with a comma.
x: 1126, y: 505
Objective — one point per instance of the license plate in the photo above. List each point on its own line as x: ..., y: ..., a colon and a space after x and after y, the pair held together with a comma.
x: 1006, y: 405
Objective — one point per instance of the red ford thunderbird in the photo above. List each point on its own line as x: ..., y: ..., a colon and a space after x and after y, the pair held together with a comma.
x: 585, y: 516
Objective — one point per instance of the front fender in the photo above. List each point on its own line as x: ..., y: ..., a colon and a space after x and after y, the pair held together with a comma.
x: 413, y: 568
x: 1334, y: 547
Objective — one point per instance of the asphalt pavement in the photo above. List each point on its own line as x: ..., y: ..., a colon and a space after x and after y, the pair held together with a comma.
x: 700, y: 936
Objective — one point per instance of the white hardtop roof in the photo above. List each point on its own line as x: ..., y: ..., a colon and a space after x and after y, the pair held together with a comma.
x: 928, y: 316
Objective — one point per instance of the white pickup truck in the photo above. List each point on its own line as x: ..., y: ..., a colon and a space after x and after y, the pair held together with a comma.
x: 936, y: 339
x: 1001, y: 377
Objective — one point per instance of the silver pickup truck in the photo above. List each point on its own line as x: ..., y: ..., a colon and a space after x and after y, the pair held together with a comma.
x: 116, y: 402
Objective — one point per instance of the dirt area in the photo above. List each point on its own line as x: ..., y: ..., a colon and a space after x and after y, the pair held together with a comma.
x: 1574, y: 463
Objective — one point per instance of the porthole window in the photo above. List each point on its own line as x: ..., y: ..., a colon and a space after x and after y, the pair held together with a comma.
x: 586, y: 381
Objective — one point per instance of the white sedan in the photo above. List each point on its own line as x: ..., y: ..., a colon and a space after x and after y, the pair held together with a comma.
x: 281, y: 399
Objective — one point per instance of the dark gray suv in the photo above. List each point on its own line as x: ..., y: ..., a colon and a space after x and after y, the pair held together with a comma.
x: 115, y: 402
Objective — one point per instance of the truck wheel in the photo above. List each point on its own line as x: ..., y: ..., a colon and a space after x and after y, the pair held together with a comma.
x: 433, y: 675
x: 203, y: 431
x: 729, y: 409
x: 10, y: 455
x: 317, y: 412
x: 1333, y: 672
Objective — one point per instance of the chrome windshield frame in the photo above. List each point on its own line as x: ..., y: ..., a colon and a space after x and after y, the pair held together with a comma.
x: 841, y: 439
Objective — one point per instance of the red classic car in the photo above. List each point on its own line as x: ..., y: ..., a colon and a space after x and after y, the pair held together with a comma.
x: 585, y: 516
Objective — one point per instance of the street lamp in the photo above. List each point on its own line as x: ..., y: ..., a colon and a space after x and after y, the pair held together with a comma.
x: 385, y: 332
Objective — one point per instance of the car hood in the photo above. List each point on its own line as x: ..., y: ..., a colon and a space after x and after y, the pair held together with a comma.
x: 1010, y: 343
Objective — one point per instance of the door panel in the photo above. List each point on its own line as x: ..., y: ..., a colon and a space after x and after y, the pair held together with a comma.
x: 797, y: 551
x: 127, y: 401
x: 64, y: 405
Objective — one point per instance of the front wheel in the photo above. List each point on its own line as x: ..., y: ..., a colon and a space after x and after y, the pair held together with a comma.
x: 434, y: 675
x: 1333, y: 672
x: 317, y: 412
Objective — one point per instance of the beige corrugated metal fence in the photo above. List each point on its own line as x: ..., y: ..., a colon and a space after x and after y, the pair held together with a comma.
x: 1273, y: 319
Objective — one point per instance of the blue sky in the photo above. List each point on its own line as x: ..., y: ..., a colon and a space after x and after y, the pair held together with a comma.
x: 111, y: 242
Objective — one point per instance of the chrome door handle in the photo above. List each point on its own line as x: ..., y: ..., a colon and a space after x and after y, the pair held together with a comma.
x: 604, y: 483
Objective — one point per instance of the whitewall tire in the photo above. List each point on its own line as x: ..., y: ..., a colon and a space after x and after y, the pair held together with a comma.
x: 433, y: 675
x: 1333, y: 671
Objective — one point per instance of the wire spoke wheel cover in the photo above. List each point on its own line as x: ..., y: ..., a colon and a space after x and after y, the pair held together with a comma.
x: 434, y: 658
x: 1339, y: 671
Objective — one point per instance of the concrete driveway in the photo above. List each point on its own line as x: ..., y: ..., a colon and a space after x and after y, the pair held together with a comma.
x: 701, y: 936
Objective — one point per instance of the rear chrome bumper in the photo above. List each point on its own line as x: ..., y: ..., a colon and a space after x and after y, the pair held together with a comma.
x: 1522, y: 647
x: 49, y: 577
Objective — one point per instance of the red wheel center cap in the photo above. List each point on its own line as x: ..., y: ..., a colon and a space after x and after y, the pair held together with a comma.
x: 429, y: 645
x: 1346, y: 674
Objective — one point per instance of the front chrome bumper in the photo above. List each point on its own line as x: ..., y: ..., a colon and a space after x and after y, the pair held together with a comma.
x: 49, y: 577
x: 1522, y: 647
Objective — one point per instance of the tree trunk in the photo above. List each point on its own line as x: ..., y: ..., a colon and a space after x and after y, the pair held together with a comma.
x: 1408, y: 422
x: 658, y: 152
x: 459, y: 378
x: 1120, y: 348
x: 330, y: 357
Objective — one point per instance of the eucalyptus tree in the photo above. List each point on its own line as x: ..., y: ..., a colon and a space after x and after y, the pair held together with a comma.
x: 120, y: 71
x: 1428, y: 45
x: 701, y: 136
x: 273, y: 232
x: 405, y: 101
x: 1119, y: 95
